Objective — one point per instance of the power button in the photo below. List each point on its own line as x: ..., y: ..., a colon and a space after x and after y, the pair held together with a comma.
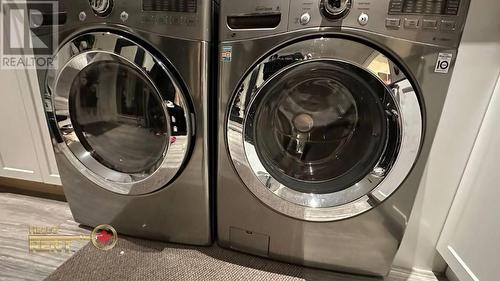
x: 305, y: 18
x: 363, y: 19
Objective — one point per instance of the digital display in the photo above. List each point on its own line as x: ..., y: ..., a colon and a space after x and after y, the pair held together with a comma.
x: 434, y: 7
x: 181, y: 6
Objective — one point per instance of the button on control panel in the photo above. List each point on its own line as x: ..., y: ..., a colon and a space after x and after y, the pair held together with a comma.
x: 363, y: 19
x: 101, y: 8
x: 335, y: 9
x: 448, y: 25
x: 305, y: 18
x: 429, y: 24
x: 412, y: 23
x: 393, y: 23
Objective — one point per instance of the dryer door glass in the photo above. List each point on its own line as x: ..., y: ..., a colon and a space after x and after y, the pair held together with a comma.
x: 320, y: 126
x: 115, y: 112
x: 123, y: 117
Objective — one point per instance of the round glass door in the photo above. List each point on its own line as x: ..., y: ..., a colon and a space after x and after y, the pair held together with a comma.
x: 122, y: 117
x: 115, y: 112
x: 324, y: 129
x: 320, y: 126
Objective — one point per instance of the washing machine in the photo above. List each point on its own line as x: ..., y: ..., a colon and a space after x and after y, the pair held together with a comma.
x: 327, y: 112
x: 127, y: 104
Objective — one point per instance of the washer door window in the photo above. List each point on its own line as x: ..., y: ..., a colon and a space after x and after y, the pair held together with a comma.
x: 122, y: 117
x: 324, y: 132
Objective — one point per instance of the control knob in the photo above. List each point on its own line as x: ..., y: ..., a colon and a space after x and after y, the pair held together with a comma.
x: 335, y: 9
x: 101, y: 7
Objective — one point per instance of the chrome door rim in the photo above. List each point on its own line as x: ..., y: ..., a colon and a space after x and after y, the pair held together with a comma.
x: 71, y: 59
x: 352, y: 201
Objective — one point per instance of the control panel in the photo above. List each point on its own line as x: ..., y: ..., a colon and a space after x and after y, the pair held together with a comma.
x: 436, y: 7
x: 183, y: 6
x: 429, y: 21
x: 189, y: 19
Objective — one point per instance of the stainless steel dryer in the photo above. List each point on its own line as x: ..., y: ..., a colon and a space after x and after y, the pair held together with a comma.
x: 327, y: 112
x: 127, y: 105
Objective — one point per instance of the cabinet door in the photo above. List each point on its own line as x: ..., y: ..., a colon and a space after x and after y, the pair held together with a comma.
x: 25, y: 148
x: 18, y: 157
x: 470, y: 241
x: 43, y: 143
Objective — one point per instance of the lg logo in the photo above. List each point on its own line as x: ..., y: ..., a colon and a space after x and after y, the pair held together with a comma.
x: 443, y: 63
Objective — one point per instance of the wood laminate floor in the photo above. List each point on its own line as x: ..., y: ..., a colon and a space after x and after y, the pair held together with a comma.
x: 19, y: 212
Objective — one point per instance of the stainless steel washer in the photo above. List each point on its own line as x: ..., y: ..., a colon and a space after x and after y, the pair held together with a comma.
x: 327, y: 111
x: 127, y: 102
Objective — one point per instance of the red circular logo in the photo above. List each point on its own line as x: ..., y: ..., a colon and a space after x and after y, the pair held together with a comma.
x: 104, y: 237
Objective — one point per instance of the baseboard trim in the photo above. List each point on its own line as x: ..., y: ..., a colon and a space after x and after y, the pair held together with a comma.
x: 414, y: 274
x: 32, y: 188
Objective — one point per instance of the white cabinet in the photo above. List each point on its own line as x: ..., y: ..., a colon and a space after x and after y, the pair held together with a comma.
x: 25, y: 147
x: 470, y: 241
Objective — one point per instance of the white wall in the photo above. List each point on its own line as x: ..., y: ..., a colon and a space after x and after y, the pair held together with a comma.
x: 470, y: 241
x: 476, y: 71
